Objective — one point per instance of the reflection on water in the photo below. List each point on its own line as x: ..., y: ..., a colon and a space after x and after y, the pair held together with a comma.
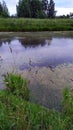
x: 47, y: 64
x: 48, y: 52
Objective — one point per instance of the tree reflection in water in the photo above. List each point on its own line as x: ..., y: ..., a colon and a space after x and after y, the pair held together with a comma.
x: 34, y: 42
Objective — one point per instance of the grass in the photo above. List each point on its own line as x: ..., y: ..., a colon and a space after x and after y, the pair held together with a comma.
x: 17, y: 85
x: 16, y: 113
x: 22, y: 24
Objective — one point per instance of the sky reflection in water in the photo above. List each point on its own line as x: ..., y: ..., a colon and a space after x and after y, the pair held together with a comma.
x: 48, y: 52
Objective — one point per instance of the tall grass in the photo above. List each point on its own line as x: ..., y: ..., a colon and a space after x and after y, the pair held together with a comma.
x: 16, y: 113
x: 22, y: 24
x: 16, y: 85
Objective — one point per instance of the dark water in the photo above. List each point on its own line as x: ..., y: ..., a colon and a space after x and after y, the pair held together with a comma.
x: 47, y: 52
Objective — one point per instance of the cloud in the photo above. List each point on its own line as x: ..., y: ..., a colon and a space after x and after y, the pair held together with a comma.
x: 64, y: 6
x: 12, y: 10
x: 61, y: 11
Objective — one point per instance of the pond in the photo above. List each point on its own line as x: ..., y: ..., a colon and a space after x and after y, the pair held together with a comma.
x: 46, y: 62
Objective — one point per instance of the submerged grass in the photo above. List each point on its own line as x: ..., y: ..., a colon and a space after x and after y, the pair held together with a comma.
x: 23, y: 24
x: 16, y: 113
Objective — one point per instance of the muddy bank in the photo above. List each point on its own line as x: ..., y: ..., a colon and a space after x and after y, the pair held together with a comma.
x: 38, y: 34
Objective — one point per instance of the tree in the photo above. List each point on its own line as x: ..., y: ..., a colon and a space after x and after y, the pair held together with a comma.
x: 29, y: 8
x: 5, y: 12
x: 71, y: 15
x: 36, y: 8
x: 45, y: 6
x: 51, y: 9
x: 23, y: 8
x: 1, y: 9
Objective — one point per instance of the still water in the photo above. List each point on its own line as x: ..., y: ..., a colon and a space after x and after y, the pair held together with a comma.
x: 46, y: 63
x: 26, y: 53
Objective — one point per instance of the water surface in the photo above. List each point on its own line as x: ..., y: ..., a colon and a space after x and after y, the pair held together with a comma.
x: 25, y: 53
x: 47, y: 64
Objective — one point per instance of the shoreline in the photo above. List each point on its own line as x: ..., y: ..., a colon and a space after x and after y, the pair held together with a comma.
x: 36, y: 34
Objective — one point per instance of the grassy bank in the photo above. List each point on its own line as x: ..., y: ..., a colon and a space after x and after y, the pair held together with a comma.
x: 17, y: 113
x: 12, y: 24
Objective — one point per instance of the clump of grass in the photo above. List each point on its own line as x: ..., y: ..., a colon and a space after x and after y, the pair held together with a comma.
x: 16, y: 85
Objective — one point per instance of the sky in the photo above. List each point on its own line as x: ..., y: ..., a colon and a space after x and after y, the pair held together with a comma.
x: 61, y: 6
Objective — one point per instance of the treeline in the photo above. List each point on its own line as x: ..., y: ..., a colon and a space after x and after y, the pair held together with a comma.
x: 36, y: 9
x: 31, y: 9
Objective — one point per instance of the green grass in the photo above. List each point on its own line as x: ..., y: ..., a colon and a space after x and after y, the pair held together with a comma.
x: 16, y: 85
x: 22, y: 24
x: 16, y: 113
